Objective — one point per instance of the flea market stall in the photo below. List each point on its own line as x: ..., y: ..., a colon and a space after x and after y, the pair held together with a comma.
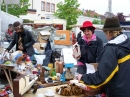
x: 33, y: 79
x: 48, y: 74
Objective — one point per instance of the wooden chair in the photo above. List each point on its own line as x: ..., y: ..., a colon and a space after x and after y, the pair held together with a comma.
x: 22, y: 84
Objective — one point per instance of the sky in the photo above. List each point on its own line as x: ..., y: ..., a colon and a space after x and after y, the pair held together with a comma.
x: 101, y: 6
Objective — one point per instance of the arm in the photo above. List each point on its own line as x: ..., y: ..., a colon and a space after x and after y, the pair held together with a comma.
x: 99, y: 47
x: 12, y: 43
x: 32, y: 41
x: 108, y: 66
x: 6, y: 34
x: 83, y: 47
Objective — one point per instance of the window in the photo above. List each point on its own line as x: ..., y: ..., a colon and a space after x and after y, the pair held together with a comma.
x: 42, y: 6
x: 48, y: 7
x: 52, y: 7
x: 101, y: 35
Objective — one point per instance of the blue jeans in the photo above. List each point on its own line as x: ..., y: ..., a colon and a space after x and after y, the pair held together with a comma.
x: 9, y: 41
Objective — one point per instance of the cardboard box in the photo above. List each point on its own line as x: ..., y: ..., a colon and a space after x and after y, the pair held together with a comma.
x: 43, y: 36
x: 37, y: 46
x: 1, y: 49
x: 95, y: 65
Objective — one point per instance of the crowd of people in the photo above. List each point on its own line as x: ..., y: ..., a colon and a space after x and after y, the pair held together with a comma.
x: 113, y: 59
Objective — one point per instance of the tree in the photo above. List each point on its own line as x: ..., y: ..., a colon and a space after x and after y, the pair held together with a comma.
x: 102, y: 22
x: 95, y: 21
x: 17, y: 9
x: 68, y: 10
x: 121, y: 17
x: 95, y: 16
x: 88, y: 13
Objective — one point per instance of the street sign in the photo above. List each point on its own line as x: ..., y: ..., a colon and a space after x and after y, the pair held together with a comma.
x: 11, y: 1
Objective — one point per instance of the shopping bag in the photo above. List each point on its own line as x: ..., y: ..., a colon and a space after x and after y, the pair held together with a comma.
x: 76, y: 51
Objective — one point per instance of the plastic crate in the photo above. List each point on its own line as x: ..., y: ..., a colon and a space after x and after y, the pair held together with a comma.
x: 69, y: 65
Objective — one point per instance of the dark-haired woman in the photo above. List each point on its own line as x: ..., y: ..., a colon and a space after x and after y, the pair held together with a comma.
x: 90, y: 46
x: 23, y: 39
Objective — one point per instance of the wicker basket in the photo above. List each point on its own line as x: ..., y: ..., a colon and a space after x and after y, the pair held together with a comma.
x: 93, y: 92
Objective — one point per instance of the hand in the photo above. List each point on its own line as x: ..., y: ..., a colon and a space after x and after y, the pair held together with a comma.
x: 79, y: 76
x: 73, y: 56
x: 5, y: 39
x: 6, y: 51
x: 20, y: 47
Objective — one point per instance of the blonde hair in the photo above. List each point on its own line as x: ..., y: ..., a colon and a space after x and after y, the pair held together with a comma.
x: 112, y: 33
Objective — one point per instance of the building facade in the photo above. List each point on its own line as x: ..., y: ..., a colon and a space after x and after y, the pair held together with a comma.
x: 42, y: 9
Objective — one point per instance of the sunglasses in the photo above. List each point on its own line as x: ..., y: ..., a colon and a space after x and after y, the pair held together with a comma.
x: 17, y: 28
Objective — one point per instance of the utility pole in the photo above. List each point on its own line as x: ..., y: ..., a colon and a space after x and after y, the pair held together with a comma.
x: 6, y: 8
x: 110, y: 7
x: 0, y: 24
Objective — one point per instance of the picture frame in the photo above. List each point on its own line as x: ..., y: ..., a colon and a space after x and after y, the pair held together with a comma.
x: 62, y: 37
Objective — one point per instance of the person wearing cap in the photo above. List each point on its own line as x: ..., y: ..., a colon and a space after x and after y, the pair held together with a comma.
x: 23, y: 39
x: 90, y: 47
x: 9, y: 33
x: 114, y: 63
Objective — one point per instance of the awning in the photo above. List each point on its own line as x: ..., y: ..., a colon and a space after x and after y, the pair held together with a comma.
x: 50, y: 21
x: 96, y: 26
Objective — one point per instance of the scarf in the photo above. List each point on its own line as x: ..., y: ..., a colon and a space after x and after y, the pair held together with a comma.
x: 10, y: 32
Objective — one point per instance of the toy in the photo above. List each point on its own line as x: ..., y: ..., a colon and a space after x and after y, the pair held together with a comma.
x: 53, y: 72
x: 42, y: 79
x: 69, y: 90
x: 69, y: 75
x: 20, y: 59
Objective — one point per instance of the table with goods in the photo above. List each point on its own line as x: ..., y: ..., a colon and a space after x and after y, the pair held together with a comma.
x: 49, y: 81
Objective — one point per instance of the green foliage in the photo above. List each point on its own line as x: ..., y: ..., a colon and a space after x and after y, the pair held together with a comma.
x: 95, y: 21
x: 68, y: 10
x: 102, y: 22
x: 88, y: 13
x: 17, y: 9
x: 27, y: 21
x: 95, y: 16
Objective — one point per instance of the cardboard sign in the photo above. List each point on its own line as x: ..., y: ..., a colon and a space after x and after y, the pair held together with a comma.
x: 62, y: 37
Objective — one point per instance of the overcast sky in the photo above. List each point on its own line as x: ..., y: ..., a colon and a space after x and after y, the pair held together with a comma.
x: 101, y: 6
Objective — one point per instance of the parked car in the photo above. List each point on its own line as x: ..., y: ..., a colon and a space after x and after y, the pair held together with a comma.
x: 102, y: 35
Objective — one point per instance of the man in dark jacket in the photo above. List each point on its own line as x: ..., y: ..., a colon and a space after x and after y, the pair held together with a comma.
x: 114, y: 63
x: 23, y: 39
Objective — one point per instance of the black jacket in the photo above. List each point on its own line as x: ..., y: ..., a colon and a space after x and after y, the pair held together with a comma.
x: 90, y: 51
x: 79, y: 35
x: 113, y: 69
x: 28, y: 42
